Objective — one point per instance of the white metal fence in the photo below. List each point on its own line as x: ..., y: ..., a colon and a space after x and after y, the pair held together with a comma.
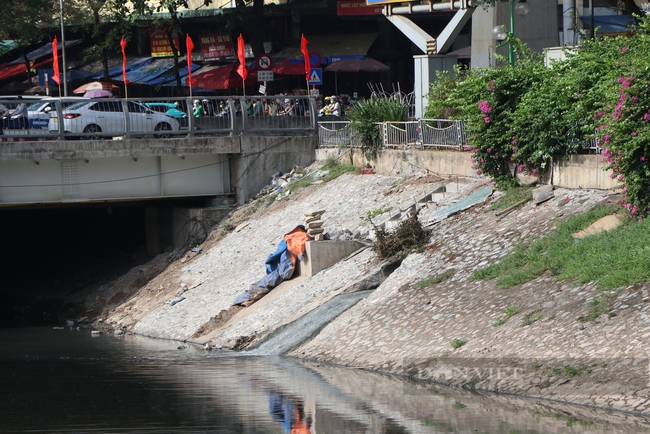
x: 420, y: 134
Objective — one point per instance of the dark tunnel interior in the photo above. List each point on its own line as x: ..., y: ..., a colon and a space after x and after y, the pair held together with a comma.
x: 51, y: 253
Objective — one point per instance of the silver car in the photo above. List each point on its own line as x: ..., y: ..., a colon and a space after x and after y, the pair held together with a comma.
x: 106, y: 117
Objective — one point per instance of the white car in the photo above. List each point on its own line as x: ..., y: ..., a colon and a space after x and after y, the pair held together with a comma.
x: 39, y: 113
x: 99, y: 117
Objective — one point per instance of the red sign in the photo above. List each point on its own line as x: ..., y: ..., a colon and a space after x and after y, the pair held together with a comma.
x: 217, y: 46
x: 160, y: 43
x: 357, y: 7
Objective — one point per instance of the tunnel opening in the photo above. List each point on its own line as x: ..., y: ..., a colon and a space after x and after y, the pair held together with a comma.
x: 55, y: 254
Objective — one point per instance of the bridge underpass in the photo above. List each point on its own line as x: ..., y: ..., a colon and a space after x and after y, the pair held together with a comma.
x: 79, y: 213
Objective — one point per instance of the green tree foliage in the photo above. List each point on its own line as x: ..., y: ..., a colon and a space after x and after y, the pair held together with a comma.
x: 25, y: 21
x: 518, y: 118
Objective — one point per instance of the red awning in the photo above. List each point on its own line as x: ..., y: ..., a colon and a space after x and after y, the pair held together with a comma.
x: 225, y: 77
x: 286, y: 67
x: 8, y: 71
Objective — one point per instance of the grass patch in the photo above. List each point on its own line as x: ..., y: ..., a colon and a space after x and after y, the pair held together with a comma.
x: 532, y: 317
x: 375, y: 212
x: 510, y: 311
x: 336, y: 169
x: 573, y: 371
x: 457, y: 343
x: 510, y: 197
x: 434, y: 280
x: 615, y: 258
x: 597, y: 307
x: 303, y: 182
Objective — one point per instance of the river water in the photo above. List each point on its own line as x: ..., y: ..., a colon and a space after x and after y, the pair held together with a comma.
x: 59, y: 380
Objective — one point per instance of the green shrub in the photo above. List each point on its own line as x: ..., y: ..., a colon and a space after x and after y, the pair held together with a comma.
x: 368, y: 112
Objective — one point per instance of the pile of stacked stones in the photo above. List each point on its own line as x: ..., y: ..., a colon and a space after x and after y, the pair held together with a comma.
x: 314, y: 223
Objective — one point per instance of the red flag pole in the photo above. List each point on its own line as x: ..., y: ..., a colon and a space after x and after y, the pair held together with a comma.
x: 241, y: 69
x: 55, y: 63
x: 126, y: 80
x: 189, y: 45
x: 305, y: 53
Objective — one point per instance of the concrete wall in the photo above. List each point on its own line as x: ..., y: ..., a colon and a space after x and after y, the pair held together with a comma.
x: 262, y: 156
x: 320, y: 255
x: 575, y: 171
x: 582, y: 171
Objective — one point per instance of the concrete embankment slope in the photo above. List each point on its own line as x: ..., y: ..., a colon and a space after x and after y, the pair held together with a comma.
x: 543, y: 350
x: 217, y: 275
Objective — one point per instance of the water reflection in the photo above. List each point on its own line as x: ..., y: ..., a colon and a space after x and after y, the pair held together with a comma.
x: 65, y: 380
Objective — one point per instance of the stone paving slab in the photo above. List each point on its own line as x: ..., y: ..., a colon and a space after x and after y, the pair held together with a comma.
x: 406, y: 330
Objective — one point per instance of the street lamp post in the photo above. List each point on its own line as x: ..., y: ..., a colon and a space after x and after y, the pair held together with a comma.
x: 522, y: 8
x: 64, y: 77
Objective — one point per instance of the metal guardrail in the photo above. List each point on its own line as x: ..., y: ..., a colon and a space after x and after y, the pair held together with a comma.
x: 420, y: 134
x: 109, y: 118
x: 334, y: 134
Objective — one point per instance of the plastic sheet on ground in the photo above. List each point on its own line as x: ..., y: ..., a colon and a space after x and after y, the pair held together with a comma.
x: 280, y: 265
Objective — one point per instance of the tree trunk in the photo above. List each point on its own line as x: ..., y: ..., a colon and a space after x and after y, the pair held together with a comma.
x: 257, y: 28
x: 28, y: 66
x: 177, y: 75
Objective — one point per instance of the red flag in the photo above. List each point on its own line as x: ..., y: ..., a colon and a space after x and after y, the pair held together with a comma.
x: 241, y: 69
x: 55, y: 52
x: 189, y: 45
x: 123, y: 45
x: 305, y: 53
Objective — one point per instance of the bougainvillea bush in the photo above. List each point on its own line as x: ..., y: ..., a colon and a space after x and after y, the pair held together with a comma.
x: 518, y: 119
x: 624, y: 128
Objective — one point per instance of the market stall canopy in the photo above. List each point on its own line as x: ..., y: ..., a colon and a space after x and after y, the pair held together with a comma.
x: 290, y: 67
x: 95, y: 85
x: 116, y: 70
x: 357, y: 65
x: 8, y: 71
x: 148, y: 71
x: 45, y: 50
x: 336, y: 47
x: 224, y: 77
x: 168, y: 77
x: 6, y: 46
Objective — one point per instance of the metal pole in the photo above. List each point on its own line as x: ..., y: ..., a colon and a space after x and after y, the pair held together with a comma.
x: 511, y: 48
x: 65, y: 79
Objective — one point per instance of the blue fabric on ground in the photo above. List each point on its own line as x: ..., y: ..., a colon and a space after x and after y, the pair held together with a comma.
x: 273, y: 260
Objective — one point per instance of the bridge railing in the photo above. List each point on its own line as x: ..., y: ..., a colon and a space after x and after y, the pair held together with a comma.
x: 109, y: 118
x: 420, y: 134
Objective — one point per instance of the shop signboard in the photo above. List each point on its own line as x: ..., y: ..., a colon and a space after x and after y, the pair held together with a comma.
x: 160, y: 43
x: 357, y: 7
x: 382, y: 2
x: 217, y: 46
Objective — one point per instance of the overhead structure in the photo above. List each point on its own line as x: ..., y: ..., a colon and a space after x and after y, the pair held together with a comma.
x: 426, y: 66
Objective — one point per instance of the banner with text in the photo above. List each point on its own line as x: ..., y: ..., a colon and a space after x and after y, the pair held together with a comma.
x: 217, y: 46
x: 357, y: 7
x: 160, y: 43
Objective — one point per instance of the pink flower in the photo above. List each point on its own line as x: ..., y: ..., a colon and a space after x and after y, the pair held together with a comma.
x: 486, y: 119
x: 485, y: 108
x: 642, y: 158
x: 634, y: 133
x: 520, y: 168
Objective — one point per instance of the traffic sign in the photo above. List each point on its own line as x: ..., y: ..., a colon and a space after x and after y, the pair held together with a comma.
x: 264, y: 62
x: 315, y: 76
x: 264, y: 76
x: 315, y: 59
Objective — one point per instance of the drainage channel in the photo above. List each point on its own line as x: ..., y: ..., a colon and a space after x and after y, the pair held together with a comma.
x: 299, y: 331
